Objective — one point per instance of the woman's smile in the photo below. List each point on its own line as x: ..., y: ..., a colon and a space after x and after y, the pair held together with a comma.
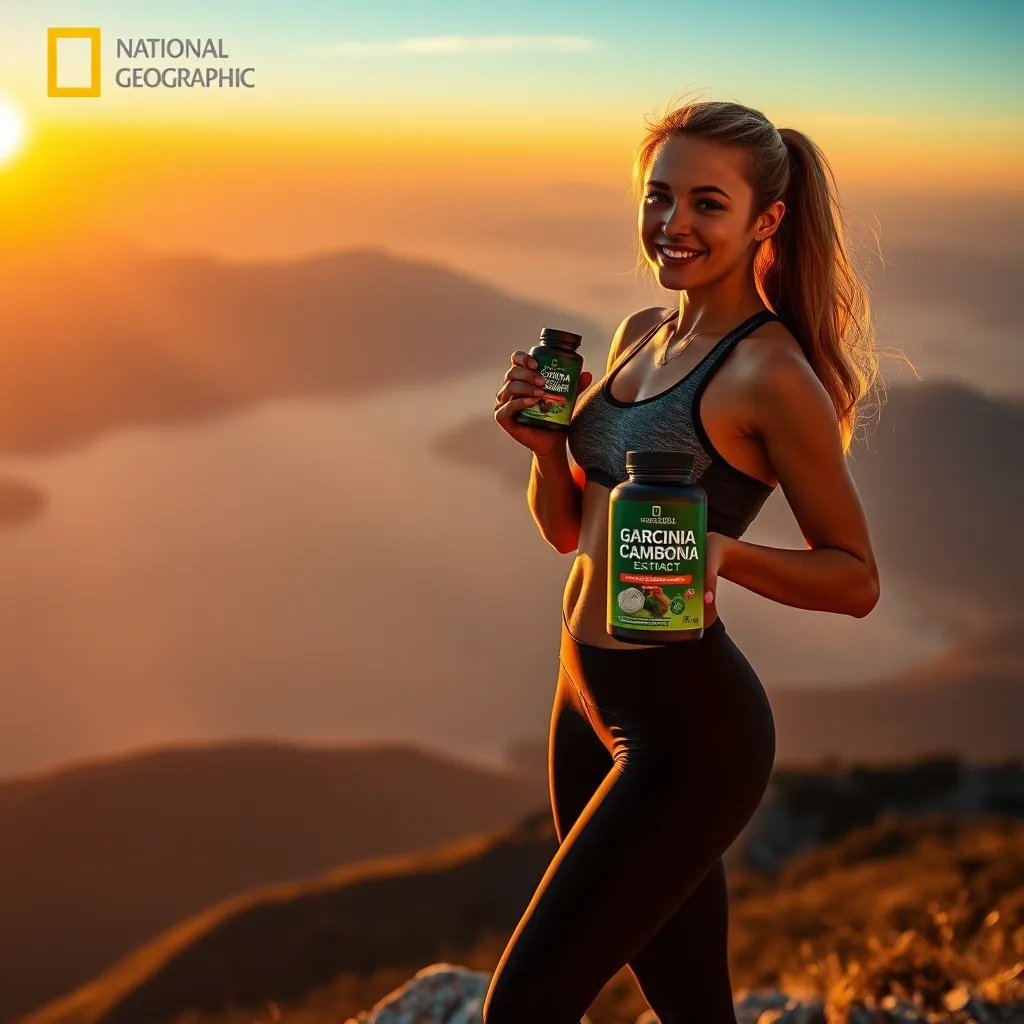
x: 669, y: 256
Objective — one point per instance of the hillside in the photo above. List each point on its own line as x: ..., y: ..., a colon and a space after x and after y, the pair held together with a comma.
x: 139, y: 339
x: 281, y: 942
x: 99, y: 858
x: 336, y: 945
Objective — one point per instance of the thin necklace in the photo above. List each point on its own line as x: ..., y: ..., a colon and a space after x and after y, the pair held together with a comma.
x: 660, y: 357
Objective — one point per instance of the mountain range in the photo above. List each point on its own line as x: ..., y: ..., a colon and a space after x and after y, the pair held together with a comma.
x: 99, y: 858
x: 339, y: 940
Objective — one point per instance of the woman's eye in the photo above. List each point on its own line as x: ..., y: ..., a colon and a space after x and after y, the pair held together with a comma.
x: 661, y: 195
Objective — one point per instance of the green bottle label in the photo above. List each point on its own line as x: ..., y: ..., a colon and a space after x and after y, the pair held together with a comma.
x: 656, y: 565
x: 560, y: 378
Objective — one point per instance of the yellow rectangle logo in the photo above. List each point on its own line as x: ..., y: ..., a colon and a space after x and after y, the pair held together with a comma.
x: 52, y: 35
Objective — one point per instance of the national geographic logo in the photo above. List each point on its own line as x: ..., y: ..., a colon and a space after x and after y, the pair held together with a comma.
x: 70, y: 50
x: 91, y: 36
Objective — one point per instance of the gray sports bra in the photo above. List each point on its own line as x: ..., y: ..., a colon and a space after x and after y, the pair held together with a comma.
x: 603, y: 429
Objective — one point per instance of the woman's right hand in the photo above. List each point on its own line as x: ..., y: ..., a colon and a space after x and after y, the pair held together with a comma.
x: 521, y: 388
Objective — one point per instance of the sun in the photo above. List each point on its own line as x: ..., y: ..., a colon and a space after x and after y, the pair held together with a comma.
x: 12, y: 130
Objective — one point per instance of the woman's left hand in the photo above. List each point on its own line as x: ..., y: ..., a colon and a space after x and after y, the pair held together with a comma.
x: 716, y: 548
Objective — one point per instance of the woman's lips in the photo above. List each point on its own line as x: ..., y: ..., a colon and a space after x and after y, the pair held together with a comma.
x: 675, y: 261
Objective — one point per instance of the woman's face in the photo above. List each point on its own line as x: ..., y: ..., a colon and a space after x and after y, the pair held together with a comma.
x: 696, y: 199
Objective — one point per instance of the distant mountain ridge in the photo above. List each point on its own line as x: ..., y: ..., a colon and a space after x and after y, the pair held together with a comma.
x: 459, y: 900
x: 100, y: 857
x: 136, y: 339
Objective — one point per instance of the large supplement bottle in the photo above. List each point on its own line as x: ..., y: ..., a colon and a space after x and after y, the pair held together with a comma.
x: 559, y: 364
x: 657, y: 540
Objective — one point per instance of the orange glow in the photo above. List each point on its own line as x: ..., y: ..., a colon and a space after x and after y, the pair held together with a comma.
x: 168, y: 185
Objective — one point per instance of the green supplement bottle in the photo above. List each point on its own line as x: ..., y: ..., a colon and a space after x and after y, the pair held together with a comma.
x: 657, y: 542
x: 559, y: 364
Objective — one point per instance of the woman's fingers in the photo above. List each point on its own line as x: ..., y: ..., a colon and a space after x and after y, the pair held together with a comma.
x: 504, y: 411
x: 517, y: 389
x: 521, y: 358
x: 519, y: 382
x: 522, y: 373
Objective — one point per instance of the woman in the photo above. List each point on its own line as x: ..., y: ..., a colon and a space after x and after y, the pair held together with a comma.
x: 660, y: 754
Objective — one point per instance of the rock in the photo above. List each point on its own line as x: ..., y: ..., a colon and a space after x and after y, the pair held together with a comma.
x: 442, y: 993
x: 861, y: 1014
x: 898, y: 1011
x: 766, y: 1006
x: 438, y: 994
x: 810, y: 1011
x: 754, y: 1003
x: 794, y: 1012
x: 977, y: 1010
x: 448, y: 994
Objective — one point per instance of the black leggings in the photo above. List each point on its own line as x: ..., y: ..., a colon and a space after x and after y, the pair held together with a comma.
x: 658, y: 758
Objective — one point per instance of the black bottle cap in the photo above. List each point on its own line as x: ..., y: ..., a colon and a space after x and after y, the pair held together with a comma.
x: 672, y: 462
x: 556, y: 337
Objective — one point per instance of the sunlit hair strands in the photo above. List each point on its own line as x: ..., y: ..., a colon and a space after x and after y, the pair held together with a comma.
x: 803, y: 271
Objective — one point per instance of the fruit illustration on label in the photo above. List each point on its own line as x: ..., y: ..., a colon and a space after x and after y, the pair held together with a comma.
x: 631, y: 601
x: 656, y: 602
x: 551, y: 403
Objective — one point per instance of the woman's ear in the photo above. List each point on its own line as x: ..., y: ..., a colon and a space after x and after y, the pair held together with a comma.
x: 769, y: 221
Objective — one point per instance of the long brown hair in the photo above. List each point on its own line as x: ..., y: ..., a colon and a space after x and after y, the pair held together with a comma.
x: 802, y: 271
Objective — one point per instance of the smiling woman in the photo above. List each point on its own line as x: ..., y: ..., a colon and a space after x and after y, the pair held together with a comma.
x: 12, y: 130
x: 660, y: 754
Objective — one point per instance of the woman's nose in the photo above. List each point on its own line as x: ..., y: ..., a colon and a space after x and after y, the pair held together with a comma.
x: 678, y: 224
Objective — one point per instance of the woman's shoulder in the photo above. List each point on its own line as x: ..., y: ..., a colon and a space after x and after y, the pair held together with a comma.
x: 770, y: 345
x: 771, y: 360
x: 634, y: 327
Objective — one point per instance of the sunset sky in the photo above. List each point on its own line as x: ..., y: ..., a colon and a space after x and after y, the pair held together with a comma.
x: 430, y: 97
x: 189, y: 576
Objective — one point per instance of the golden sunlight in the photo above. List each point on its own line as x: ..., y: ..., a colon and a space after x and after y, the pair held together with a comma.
x: 12, y: 130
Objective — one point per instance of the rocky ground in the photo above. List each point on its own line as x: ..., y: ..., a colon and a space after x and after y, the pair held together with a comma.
x: 449, y: 994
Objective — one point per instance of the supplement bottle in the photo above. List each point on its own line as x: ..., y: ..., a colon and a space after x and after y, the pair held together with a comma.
x: 559, y: 364
x: 657, y: 541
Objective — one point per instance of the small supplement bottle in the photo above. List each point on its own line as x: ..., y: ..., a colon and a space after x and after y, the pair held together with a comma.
x: 657, y: 541
x: 559, y: 364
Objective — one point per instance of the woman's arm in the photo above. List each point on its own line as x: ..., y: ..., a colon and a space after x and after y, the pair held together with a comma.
x: 556, y: 503
x: 793, y: 415
x: 820, y: 579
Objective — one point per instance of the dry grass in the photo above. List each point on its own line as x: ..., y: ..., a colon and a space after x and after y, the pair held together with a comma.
x: 917, y: 911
